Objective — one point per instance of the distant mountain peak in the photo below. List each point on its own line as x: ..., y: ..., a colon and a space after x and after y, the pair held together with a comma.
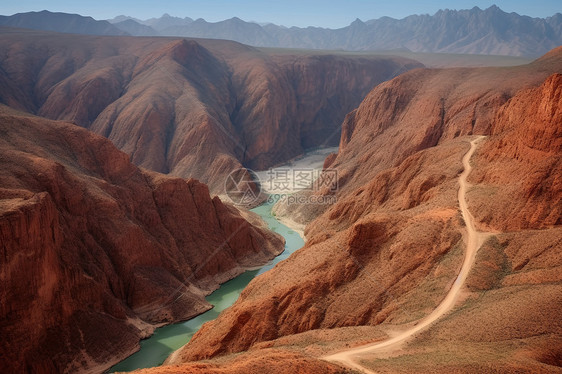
x: 494, y: 9
x: 357, y: 22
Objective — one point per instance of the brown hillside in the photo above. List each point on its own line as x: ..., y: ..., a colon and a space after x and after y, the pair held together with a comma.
x: 386, y: 253
x: 190, y: 108
x: 94, y: 251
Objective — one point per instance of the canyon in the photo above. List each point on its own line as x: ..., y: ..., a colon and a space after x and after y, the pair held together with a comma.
x: 88, y: 238
x: 189, y: 108
x: 96, y: 252
x: 441, y: 251
x: 385, y: 255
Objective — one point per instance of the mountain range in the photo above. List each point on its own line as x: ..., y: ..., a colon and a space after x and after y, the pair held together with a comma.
x: 474, y: 31
x: 189, y: 108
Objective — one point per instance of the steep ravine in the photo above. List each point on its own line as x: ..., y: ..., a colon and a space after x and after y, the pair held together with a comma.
x: 166, y: 340
x: 157, y: 348
x: 190, y: 108
x: 385, y: 253
x: 95, y: 252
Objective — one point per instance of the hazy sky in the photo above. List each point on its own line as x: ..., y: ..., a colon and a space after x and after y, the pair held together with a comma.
x: 325, y: 13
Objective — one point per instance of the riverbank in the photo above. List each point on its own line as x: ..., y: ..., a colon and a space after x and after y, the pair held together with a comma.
x: 293, y: 177
x: 293, y: 225
x: 167, y: 339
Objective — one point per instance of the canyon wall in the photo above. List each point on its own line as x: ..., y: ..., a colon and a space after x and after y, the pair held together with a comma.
x: 386, y: 253
x: 526, y: 142
x: 96, y: 252
x: 190, y: 108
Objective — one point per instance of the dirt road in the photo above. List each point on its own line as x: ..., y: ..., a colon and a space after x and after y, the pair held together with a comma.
x: 474, y: 239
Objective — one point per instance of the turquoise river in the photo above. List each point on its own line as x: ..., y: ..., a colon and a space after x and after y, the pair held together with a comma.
x: 167, y: 339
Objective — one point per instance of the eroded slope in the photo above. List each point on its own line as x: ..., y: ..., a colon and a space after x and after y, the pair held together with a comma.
x: 95, y: 251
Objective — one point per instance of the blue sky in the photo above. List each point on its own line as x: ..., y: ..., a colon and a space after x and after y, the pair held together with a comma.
x: 325, y: 13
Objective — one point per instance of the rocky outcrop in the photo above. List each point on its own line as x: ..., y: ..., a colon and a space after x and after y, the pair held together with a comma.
x: 526, y: 140
x: 420, y: 109
x: 189, y: 108
x: 96, y: 252
x: 386, y: 253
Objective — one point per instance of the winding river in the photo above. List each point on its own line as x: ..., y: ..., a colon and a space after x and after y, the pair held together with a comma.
x: 167, y: 339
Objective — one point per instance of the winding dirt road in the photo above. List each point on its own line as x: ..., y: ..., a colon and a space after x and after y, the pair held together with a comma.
x: 474, y: 239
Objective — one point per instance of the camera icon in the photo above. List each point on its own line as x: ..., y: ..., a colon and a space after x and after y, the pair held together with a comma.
x: 243, y: 187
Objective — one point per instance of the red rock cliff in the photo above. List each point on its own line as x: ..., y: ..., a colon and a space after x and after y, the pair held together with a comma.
x: 386, y: 252
x: 521, y: 165
x: 94, y: 251
x: 421, y: 109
